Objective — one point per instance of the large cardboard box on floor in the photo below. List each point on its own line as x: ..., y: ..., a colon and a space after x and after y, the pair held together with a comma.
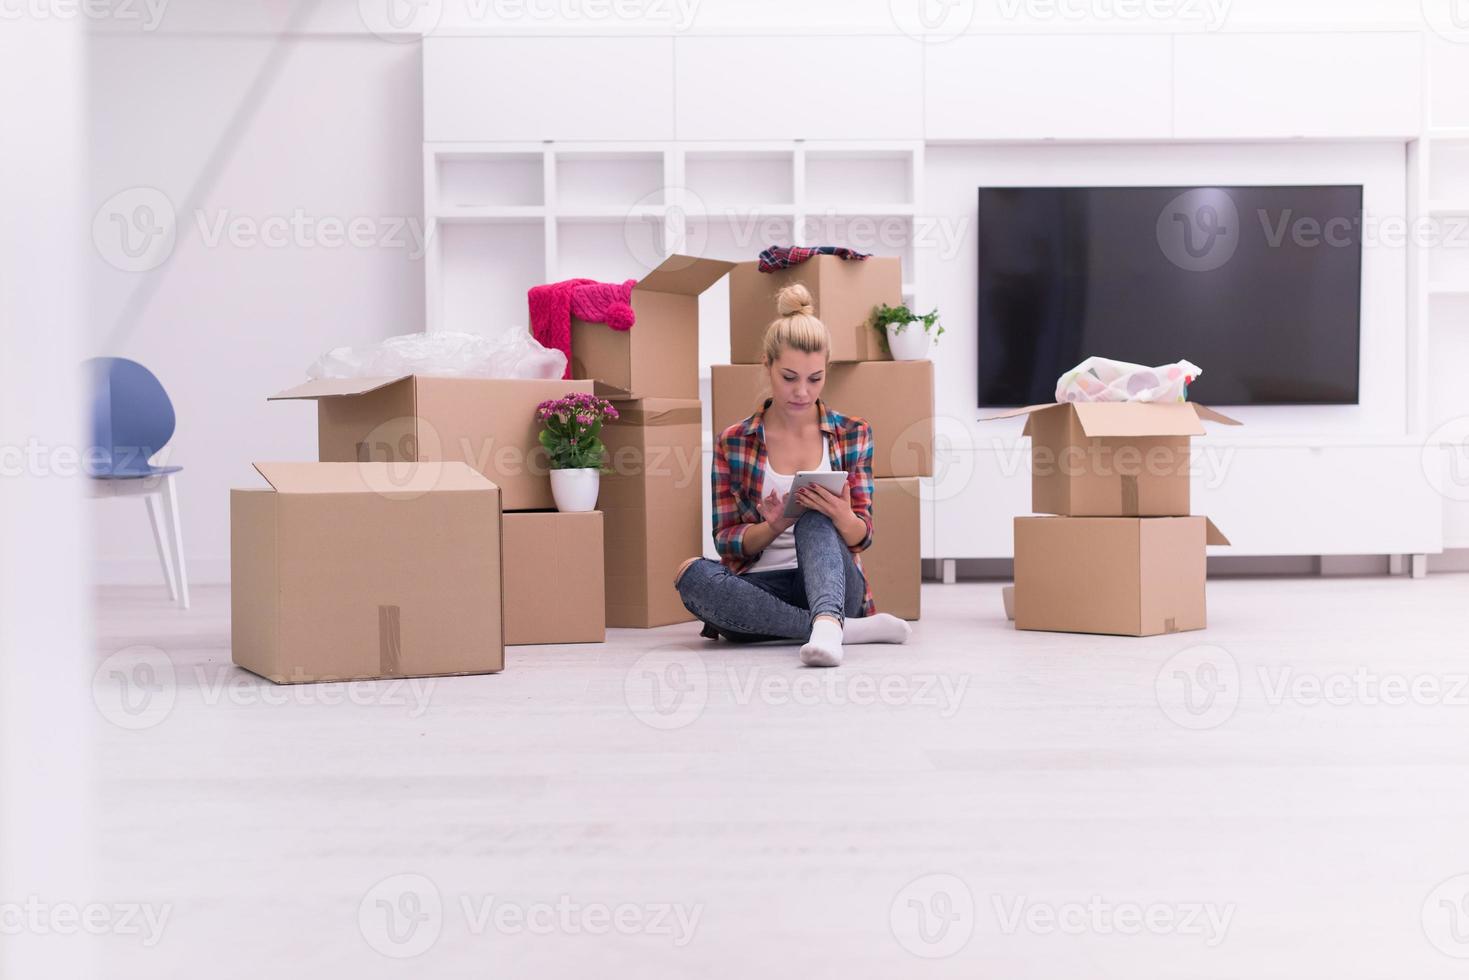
x: 658, y: 357
x: 554, y: 584
x: 845, y: 292
x: 895, y: 397
x: 365, y: 570
x: 1112, y: 459
x: 653, y: 502
x: 1134, y: 576
x: 893, y: 562
x: 488, y: 423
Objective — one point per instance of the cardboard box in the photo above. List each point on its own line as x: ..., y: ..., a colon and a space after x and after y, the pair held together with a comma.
x: 893, y: 564
x: 554, y: 585
x: 1112, y: 459
x: 895, y: 397
x: 844, y: 291
x: 659, y: 355
x: 653, y: 502
x: 1134, y: 576
x: 364, y: 570
x: 489, y: 424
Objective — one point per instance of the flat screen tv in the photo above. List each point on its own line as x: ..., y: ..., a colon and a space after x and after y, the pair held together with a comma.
x: 1258, y: 286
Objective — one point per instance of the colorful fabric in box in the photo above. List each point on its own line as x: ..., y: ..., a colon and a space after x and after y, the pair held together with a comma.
x: 739, y: 473
x: 778, y: 257
x: 553, y: 305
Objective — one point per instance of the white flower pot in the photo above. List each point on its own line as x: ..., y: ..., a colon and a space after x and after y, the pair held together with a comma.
x: 909, y: 345
x: 576, y: 490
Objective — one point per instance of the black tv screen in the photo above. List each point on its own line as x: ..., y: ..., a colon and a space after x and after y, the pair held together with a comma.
x: 1258, y: 286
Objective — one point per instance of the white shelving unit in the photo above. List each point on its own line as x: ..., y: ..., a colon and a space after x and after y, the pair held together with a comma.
x: 1438, y: 171
x: 503, y: 217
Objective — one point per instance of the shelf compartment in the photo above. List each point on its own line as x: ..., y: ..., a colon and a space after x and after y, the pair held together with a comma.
x: 609, y: 179
x: 484, y: 270
x: 485, y: 180
x: 848, y: 179
x: 726, y: 179
x: 609, y: 251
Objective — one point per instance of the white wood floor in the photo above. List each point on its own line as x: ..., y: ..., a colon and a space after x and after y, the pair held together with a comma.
x: 979, y: 803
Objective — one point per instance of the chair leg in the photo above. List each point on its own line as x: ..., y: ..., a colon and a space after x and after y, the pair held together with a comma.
x: 155, y: 519
x: 171, y: 511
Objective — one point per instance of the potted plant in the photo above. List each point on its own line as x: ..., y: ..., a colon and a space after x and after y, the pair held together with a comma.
x: 905, y: 344
x: 570, y: 434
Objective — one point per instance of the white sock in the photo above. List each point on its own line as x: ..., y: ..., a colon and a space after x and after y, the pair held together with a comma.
x: 877, y: 628
x: 824, y: 649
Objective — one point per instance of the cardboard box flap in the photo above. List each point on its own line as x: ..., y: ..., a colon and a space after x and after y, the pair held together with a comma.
x: 1212, y: 535
x: 1027, y: 411
x: 334, y: 388
x: 384, y: 478
x: 1133, y: 419
x: 685, y: 275
x: 1012, y: 413
x: 659, y: 411
x: 1205, y: 412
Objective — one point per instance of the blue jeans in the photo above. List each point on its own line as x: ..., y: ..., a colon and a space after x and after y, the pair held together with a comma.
x: 778, y: 605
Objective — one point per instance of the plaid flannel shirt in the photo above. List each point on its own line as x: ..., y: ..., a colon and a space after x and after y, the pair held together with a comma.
x: 739, y: 475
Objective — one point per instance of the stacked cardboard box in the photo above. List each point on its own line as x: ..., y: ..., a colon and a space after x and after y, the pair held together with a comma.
x: 490, y: 425
x: 895, y: 397
x: 1123, y: 554
x: 652, y: 495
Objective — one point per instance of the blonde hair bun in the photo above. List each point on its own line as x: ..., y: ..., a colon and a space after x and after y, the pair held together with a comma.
x: 794, y: 300
x: 796, y: 325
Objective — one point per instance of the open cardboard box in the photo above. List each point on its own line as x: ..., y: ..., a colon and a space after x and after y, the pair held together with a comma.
x: 1105, y: 459
x: 895, y: 397
x: 488, y: 423
x: 845, y: 291
x: 1133, y: 576
x: 659, y: 355
x: 343, y: 571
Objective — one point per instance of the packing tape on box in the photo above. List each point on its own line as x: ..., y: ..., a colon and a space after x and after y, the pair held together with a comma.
x: 1129, y: 496
x: 1170, y: 625
x: 687, y: 415
x: 389, y: 640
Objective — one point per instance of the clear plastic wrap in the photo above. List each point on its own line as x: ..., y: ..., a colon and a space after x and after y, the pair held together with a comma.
x: 1100, y: 379
x: 444, y: 354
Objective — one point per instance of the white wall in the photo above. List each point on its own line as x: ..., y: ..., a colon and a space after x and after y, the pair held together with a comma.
x: 333, y: 131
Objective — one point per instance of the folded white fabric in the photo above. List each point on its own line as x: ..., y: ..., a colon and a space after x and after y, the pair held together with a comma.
x: 1100, y: 379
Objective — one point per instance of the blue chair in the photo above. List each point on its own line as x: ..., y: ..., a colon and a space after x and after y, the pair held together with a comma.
x: 132, y: 420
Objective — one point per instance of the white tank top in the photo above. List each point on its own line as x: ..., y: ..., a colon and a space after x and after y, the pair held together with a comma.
x: 781, y: 553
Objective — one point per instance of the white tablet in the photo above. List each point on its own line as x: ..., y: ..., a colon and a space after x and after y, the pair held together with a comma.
x: 832, y: 480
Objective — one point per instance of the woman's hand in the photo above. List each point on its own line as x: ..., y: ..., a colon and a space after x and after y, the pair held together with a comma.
x: 772, y: 506
x: 813, y: 496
